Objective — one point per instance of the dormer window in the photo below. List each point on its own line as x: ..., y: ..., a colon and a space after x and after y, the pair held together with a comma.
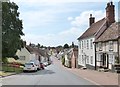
x: 110, y: 45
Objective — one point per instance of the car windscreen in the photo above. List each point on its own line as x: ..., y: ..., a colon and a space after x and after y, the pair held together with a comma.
x: 28, y: 63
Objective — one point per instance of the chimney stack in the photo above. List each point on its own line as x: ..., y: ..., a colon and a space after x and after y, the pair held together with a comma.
x: 110, y: 13
x: 91, y: 20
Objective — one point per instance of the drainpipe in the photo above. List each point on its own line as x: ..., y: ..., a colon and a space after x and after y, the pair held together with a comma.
x: 95, y: 58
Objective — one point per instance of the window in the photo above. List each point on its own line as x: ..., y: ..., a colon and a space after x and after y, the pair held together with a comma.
x: 22, y: 57
x: 111, y: 46
x: 91, y: 44
x: 87, y: 59
x: 82, y: 44
x: 100, y: 46
x: 111, y: 58
x: 91, y: 59
x: 87, y: 44
x: 98, y: 57
x: 82, y: 59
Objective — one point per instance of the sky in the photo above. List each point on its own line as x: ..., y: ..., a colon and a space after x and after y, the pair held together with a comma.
x: 57, y: 22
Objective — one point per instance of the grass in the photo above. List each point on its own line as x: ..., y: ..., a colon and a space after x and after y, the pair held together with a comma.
x: 2, y: 73
x: 7, y: 68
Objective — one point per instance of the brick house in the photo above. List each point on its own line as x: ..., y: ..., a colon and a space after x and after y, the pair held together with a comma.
x: 74, y: 58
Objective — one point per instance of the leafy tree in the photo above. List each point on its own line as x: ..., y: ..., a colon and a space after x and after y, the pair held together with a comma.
x: 11, y: 29
x: 66, y: 46
x: 38, y: 45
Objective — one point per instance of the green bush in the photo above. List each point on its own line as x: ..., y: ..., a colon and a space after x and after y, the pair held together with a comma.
x: 5, y: 60
x: 63, y: 60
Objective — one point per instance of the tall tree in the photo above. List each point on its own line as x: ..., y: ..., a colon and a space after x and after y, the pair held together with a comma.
x: 11, y: 29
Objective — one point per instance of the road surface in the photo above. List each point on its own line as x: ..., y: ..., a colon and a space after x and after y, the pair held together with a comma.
x: 53, y: 74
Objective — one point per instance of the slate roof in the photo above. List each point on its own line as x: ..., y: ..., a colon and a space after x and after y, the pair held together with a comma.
x: 92, y: 30
x: 111, y: 33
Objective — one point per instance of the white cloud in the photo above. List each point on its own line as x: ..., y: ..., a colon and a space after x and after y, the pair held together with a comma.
x: 66, y: 36
x: 34, y: 19
x: 70, y: 18
x: 83, y: 19
x: 54, y: 39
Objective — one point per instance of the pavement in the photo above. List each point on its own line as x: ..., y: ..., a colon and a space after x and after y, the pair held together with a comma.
x: 96, y: 77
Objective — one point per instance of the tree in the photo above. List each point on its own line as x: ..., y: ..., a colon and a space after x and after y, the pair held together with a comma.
x: 73, y: 45
x: 38, y: 45
x: 11, y: 29
x: 66, y: 46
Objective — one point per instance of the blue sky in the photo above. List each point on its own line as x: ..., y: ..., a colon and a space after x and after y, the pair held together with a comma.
x: 56, y: 22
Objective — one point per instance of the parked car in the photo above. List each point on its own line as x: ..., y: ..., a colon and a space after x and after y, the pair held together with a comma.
x: 30, y: 66
x: 45, y: 64
x: 42, y: 66
x: 37, y: 63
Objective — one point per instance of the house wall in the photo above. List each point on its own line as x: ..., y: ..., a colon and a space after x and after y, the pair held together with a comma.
x: 66, y: 60
x: 86, y: 55
x: 73, y: 61
x: 110, y: 53
x: 119, y: 50
x: 105, y: 47
x: 23, y: 52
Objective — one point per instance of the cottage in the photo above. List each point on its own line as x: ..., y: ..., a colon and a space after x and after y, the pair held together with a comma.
x: 107, y: 47
x: 32, y: 53
x: 86, y: 51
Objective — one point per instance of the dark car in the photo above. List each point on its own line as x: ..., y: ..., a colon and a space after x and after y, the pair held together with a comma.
x: 42, y: 66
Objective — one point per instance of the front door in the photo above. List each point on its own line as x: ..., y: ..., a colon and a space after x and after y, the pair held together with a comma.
x: 105, y: 60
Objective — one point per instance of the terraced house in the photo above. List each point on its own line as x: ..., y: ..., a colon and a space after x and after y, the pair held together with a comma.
x: 107, y: 48
x: 87, y: 56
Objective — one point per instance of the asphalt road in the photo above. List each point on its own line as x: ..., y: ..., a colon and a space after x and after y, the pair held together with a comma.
x: 52, y: 75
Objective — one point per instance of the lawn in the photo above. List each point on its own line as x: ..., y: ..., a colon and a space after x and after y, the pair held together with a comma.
x: 7, y: 68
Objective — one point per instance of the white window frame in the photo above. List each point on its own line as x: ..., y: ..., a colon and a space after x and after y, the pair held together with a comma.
x: 100, y: 46
x: 87, y: 44
x: 91, y: 59
x: 110, y: 45
x: 91, y: 44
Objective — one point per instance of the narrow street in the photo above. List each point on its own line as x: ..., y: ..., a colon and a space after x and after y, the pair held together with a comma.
x: 53, y: 74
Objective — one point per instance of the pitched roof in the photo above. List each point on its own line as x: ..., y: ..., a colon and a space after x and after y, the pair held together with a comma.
x: 93, y: 29
x: 36, y: 50
x: 111, y: 33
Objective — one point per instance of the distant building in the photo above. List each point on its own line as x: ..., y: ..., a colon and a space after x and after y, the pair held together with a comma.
x: 31, y: 52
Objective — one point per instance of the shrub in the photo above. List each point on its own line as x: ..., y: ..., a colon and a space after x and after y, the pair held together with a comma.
x: 5, y: 60
x: 63, y: 60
